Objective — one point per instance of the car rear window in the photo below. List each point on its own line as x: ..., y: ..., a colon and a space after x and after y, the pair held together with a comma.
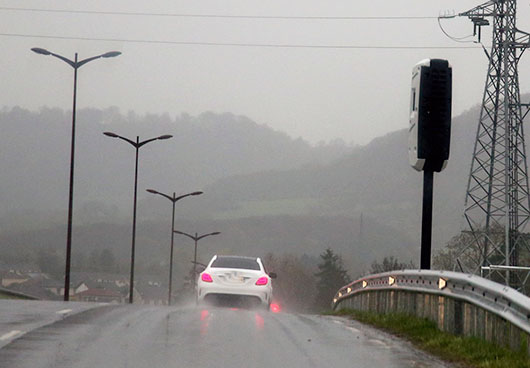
x: 236, y: 262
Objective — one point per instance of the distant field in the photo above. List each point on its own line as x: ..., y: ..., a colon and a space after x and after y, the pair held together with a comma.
x: 9, y: 296
x: 296, y: 206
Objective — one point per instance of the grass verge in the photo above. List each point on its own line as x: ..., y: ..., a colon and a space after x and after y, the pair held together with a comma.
x: 9, y: 296
x: 424, y: 334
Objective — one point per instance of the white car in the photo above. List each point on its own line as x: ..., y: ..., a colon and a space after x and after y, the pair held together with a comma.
x: 242, y: 280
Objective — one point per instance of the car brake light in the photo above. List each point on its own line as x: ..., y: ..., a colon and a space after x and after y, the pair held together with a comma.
x: 262, y: 281
x: 206, y: 277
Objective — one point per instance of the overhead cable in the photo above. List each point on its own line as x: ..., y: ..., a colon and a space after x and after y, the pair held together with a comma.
x: 233, y: 44
x: 229, y: 16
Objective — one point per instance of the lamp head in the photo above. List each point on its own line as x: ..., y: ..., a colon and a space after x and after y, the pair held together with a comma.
x: 196, y: 193
x: 38, y: 50
x: 152, y: 191
x: 166, y: 136
x: 110, y: 134
x: 216, y: 233
x: 111, y: 54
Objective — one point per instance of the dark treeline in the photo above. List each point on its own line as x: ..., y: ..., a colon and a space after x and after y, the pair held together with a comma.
x: 254, y: 236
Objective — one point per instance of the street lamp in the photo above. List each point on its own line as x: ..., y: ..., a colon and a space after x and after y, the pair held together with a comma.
x: 196, y: 238
x: 173, y: 199
x: 76, y: 65
x: 137, y: 146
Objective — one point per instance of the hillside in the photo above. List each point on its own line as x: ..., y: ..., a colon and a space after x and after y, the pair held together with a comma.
x: 374, y: 180
x: 263, y: 190
x: 252, y: 236
x: 205, y: 149
x: 35, y: 156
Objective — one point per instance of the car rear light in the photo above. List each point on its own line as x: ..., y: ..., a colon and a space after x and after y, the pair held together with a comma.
x: 262, y: 281
x: 206, y: 277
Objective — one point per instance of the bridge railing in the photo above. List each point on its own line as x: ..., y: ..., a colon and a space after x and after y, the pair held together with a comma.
x: 459, y: 303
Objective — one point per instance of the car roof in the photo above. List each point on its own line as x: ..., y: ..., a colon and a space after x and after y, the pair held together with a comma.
x: 244, y: 257
x: 257, y: 259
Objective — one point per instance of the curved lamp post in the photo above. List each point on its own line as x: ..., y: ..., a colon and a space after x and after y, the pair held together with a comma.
x: 173, y: 199
x: 76, y: 65
x: 196, y: 238
x: 137, y: 146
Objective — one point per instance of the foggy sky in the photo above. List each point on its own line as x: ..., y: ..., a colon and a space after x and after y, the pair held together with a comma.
x: 318, y: 94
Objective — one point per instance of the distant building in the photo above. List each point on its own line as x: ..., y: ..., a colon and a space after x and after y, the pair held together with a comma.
x: 151, y: 293
x: 84, y: 286
x: 99, y: 295
x: 99, y: 287
x: 12, y: 277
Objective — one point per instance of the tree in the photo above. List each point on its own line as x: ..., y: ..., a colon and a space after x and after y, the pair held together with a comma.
x: 102, y: 261
x: 465, y: 253
x: 390, y: 264
x: 331, y: 277
x: 107, y: 261
x: 469, y: 252
x: 49, y: 262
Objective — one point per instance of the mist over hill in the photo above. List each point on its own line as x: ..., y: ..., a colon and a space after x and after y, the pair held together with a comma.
x: 374, y: 180
x: 35, y: 155
x: 265, y: 191
x: 205, y: 150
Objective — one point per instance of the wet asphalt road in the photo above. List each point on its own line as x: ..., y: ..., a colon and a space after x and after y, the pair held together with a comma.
x: 141, y: 336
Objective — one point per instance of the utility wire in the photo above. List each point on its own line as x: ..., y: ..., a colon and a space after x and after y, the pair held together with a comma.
x: 181, y: 15
x: 265, y: 45
x: 464, y: 39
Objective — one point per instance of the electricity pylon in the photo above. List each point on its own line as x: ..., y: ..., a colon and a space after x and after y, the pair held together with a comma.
x: 497, y: 205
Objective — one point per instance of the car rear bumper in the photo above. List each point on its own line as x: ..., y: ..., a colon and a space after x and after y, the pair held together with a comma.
x: 205, y: 290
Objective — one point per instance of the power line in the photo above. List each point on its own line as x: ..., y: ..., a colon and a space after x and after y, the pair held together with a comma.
x: 228, y: 16
x: 464, y: 39
x: 232, y: 44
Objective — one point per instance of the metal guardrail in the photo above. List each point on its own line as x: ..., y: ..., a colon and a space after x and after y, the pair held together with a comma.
x: 496, y: 298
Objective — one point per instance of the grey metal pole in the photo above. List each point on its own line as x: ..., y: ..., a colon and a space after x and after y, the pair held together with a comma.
x: 70, y: 194
x: 76, y: 65
x: 195, y: 265
x: 173, y: 199
x: 426, y: 223
x: 137, y: 146
x: 171, y: 252
x: 196, y: 238
x: 131, y: 286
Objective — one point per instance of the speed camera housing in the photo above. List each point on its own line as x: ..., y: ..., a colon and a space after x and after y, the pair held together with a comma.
x: 430, y: 115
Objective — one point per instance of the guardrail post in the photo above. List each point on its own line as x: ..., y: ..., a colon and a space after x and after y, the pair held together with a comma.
x: 458, y: 325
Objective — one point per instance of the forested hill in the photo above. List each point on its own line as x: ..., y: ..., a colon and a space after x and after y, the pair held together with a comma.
x: 264, y: 191
x: 375, y: 180
x: 35, y: 154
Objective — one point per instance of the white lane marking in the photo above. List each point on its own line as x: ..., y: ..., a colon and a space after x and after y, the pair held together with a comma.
x: 64, y: 311
x: 379, y: 342
x: 10, y: 335
x: 352, y: 329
